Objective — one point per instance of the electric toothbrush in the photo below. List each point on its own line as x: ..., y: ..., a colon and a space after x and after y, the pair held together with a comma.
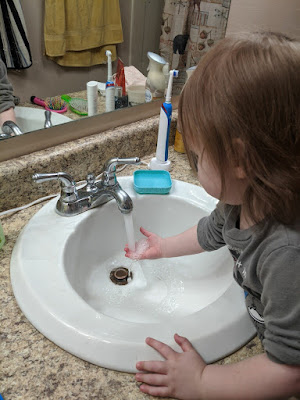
x: 110, y: 86
x: 161, y: 161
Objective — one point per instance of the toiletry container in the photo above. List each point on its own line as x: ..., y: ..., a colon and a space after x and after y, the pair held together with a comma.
x: 178, y: 144
x: 92, y: 97
x: 156, y: 81
x: 120, y: 100
x: 136, y: 94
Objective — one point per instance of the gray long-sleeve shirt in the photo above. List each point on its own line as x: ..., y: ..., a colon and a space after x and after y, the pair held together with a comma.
x: 6, y: 90
x: 267, y: 267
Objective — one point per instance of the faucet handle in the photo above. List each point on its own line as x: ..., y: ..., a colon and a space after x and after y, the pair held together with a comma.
x: 109, y: 173
x: 90, y: 183
x: 68, y: 185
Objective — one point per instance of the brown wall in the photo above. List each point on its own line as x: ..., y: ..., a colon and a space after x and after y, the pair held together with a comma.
x: 46, y: 78
x: 141, y: 21
x: 277, y: 15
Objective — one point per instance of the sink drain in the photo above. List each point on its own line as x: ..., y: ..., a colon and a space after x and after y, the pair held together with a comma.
x: 120, y: 276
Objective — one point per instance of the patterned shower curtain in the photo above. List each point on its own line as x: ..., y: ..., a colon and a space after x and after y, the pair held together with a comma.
x: 189, y: 29
x: 14, y: 45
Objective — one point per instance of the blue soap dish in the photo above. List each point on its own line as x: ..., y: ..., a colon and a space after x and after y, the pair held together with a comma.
x: 152, y: 182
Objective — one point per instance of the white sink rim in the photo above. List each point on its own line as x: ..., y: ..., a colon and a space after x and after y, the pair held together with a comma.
x: 107, y: 341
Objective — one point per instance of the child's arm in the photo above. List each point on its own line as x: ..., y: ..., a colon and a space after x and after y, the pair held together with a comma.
x: 208, y: 231
x: 174, y: 246
x: 7, y: 115
x: 186, y: 376
x: 6, y: 96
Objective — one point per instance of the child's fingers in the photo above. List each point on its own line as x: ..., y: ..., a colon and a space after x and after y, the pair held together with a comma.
x: 145, y: 232
x: 151, y: 379
x: 159, y: 391
x: 158, y: 367
x: 161, y: 348
x: 183, y: 342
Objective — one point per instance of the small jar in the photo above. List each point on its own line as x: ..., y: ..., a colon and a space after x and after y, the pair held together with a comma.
x: 178, y: 144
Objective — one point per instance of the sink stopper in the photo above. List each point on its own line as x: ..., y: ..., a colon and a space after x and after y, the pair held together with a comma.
x: 120, y: 275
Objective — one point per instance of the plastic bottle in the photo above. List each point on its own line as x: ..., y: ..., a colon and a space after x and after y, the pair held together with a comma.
x: 178, y: 144
x: 92, y: 97
x: 155, y: 83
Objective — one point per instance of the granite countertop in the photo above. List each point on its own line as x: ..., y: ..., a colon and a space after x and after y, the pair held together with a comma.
x: 35, y: 368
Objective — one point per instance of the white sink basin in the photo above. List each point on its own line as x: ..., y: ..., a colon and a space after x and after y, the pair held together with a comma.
x: 31, y: 119
x: 60, y: 272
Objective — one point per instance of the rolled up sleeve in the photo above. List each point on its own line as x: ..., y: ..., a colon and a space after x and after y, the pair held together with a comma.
x: 209, y: 230
x: 6, y: 90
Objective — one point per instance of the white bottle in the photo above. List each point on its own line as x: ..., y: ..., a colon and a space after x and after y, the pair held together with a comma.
x: 92, y: 97
x: 110, y: 86
x: 156, y: 82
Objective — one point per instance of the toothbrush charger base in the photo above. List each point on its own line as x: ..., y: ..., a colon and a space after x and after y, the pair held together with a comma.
x: 158, y: 165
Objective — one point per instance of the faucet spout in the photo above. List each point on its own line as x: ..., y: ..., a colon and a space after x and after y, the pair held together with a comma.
x: 10, y: 129
x: 123, y: 200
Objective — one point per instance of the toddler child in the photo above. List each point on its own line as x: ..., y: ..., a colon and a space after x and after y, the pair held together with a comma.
x: 240, y: 120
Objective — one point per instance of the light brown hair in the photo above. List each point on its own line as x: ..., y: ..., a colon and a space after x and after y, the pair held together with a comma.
x: 247, y: 88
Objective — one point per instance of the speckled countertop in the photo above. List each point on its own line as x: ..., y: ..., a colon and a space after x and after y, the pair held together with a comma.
x: 32, y: 367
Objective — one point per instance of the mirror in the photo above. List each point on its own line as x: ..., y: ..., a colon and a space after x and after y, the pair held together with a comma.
x: 182, y: 31
x: 141, y: 23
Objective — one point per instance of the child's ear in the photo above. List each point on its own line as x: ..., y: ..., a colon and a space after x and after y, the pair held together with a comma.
x: 240, y: 173
x: 239, y: 170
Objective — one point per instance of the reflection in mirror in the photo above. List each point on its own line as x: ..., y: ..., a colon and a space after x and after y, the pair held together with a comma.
x: 179, y: 31
x: 48, y: 78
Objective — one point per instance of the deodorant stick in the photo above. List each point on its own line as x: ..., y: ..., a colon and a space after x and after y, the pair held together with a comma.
x: 92, y: 97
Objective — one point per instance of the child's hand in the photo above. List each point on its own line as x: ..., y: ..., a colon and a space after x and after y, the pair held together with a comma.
x: 152, y: 249
x: 178, y: 376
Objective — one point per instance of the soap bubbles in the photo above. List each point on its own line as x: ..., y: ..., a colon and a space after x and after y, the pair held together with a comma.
x: 140, y: 247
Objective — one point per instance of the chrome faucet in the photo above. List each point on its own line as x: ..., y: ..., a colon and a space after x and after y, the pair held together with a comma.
x: 74, y: 201
x: 48, y: 123
x: 10, y: 129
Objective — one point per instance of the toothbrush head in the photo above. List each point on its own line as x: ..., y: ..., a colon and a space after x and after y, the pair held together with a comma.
x: 108, y: 53
x: 175, y: 73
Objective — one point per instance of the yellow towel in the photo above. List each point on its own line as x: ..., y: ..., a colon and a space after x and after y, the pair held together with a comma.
x: 78, y: 32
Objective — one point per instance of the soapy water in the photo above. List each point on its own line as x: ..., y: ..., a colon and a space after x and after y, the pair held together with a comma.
x: 158, y: 289
x: 140, y: 247
x: 153, y: 292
